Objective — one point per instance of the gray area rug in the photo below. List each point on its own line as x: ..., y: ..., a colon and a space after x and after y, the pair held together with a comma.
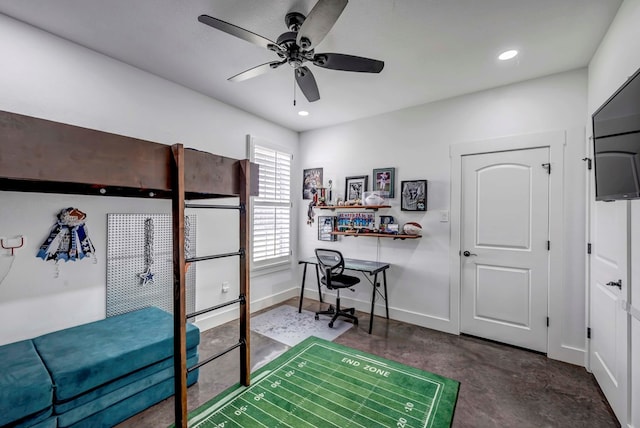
x: 287, y: 326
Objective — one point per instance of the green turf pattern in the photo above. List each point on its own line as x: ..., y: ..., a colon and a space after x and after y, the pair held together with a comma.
x: 322, y: 384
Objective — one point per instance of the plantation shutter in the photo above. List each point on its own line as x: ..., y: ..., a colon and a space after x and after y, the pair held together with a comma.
x: 272, y: 208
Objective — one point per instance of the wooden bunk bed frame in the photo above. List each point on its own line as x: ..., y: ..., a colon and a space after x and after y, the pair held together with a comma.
x: 38, y: 155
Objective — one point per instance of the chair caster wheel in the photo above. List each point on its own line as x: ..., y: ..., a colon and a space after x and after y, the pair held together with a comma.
x: 355, y: 322
x: 331, y: 325
x: 317, y: 317
x: 353, y: 311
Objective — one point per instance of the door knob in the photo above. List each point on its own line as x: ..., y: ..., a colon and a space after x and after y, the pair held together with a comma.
x: 466, y: 253
x: 615, y: 284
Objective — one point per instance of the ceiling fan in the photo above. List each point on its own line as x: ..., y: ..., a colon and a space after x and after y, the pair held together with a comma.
x: 296, y: 46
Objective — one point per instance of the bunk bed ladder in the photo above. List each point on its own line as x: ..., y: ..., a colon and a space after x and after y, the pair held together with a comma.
x: 179, y: 269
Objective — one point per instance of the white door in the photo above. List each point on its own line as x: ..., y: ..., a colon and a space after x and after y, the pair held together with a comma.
x: 504, y: 247
x: 608, y: 319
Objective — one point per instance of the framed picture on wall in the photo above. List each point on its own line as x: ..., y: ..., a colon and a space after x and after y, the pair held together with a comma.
x: 414, y: 195
x: 384, y: 179
x: 311, y: 181
x: 355, y: 187
x: 326, y: 225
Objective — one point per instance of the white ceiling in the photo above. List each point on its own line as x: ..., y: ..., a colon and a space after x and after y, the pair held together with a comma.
x: 432, y: 49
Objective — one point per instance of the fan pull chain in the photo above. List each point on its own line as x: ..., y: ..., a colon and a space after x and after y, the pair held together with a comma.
x: 294, y: 88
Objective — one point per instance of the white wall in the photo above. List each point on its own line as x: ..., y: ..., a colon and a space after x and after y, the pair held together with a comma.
x: 616, y: 59
x: 48, y: 77
x: 416, y: 142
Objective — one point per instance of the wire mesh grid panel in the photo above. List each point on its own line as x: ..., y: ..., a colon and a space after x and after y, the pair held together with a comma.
x: 140, y: 262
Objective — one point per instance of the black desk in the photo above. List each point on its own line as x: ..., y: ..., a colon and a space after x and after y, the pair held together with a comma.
x: 365, y: 266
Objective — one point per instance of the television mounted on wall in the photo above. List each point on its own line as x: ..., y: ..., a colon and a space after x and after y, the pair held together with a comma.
x: 616, y: 143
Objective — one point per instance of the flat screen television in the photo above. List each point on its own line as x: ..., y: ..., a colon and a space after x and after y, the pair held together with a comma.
x: 616, y: 143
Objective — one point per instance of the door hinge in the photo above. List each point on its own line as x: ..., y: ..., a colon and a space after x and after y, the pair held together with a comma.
x: 589, y: 248
x: 588, y: 161
x: 548, y: 245
x: 588, y: 332
x: 547, y: 166
x: 547, y: 321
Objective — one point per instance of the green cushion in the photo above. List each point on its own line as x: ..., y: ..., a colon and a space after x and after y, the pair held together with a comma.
x: 117, y: 413
x: 90, y: 355
x: 25, y: 386
x: 42, y: 419
x: 111, y: 398
x: 50, y: 422
x: 119, y: 384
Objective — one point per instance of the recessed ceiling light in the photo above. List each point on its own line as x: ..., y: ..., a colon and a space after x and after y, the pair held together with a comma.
x: 507, y: 55
x: 303, y: 113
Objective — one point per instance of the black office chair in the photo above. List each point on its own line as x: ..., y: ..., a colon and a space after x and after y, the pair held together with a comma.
x: 331, y: 265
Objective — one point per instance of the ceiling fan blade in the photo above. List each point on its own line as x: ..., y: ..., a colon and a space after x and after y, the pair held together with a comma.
x: 255, y: 71
x: 319, y: 21
x: 239, y: 32
x: 336, y: 61
x: 307, y: 84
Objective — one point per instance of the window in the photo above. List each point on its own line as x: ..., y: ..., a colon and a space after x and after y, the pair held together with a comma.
x: 271, y: 209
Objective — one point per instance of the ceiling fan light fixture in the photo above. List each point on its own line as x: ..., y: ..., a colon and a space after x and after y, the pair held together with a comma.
x: 303, y: 113
x: 506, y: 55
x: 297, y: 47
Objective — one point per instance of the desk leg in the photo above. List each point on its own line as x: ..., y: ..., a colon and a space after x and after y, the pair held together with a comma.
x: 304, y: 277
x: 319, y: 286
x: 386, y: 299
x: 373, y: 301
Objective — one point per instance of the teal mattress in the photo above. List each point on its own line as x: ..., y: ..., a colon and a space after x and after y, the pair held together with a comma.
x: 117, y: 413
x: 88, y: 356
x: 84, y: 409
x: 25, y: 386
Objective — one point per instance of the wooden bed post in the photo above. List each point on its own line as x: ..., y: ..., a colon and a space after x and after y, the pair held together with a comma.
x: 179, y: 301
x: 245, y: 312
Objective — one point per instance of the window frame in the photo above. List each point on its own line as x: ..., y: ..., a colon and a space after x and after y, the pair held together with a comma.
x: 275, y: 263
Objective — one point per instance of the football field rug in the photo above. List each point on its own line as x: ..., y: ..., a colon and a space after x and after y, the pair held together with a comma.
x: 322, y: 384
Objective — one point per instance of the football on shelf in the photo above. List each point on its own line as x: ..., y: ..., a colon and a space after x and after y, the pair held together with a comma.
x: 412, y: 228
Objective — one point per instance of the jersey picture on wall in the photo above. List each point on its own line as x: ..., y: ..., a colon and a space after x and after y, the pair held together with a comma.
x: 414, y: 195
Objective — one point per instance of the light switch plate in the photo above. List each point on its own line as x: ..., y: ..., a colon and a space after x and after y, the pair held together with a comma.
x: 444, y: 216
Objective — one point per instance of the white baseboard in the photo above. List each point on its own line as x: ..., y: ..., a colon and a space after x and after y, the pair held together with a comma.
x: 564, y: 353
x: 422, y: 320
x: 205, y: 322
x: 214, y: 319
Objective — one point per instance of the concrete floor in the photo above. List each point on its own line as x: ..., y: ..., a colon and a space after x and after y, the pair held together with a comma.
x: 501, y: 386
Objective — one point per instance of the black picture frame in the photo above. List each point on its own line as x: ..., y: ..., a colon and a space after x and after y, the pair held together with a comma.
x: 384, y: 179
x: 413, y: 196
x: 311, y: 181
x: 326, y: 225
x: 354, y: 187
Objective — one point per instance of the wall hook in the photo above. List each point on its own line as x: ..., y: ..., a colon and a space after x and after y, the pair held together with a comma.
x: 12, y: 248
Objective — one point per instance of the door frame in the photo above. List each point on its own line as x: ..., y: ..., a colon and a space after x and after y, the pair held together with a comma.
x: 555, y: 141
